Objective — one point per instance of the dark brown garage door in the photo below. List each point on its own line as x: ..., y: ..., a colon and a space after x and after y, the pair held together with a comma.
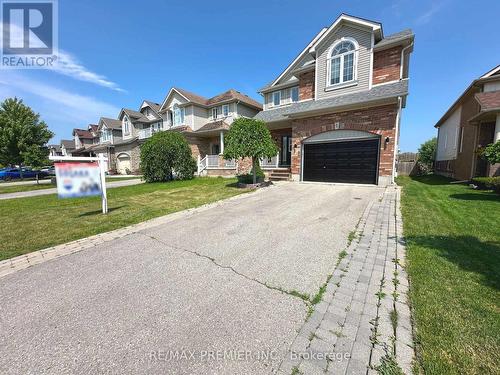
x: 350, y: 162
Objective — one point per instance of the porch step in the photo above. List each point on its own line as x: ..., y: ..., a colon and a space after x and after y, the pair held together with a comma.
x: 282, y: 174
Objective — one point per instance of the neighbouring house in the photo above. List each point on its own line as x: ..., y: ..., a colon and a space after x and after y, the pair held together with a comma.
x: 335, y: 110
x: 55, y: 150
x: 109, y: 132
x: 472, y: 122
x: 204, y: 122
x: 67, y: 147
x: 84, y: 140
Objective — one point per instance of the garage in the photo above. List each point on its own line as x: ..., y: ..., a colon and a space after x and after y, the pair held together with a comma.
x: 123, y: 163
x: 341, y: 156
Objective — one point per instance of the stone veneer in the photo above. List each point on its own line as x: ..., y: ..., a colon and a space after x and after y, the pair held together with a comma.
x: 378, y: 120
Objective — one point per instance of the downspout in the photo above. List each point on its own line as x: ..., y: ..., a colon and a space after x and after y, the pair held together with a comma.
x: 396, y: 140
x: 403, y: 59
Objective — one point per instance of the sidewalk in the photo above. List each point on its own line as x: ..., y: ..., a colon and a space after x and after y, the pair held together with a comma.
x: 364, y: 316
x: 34, y: 193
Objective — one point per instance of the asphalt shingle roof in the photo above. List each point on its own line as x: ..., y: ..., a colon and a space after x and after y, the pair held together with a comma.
x: 381, y: 92
x: 112, y: 123
x: 68, y: 144
x: 389, y: 39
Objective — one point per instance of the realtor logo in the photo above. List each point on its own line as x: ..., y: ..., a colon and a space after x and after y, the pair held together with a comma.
x: 29, y: 33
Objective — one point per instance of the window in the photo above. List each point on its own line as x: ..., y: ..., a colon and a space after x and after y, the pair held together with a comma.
x: 215, y: 149
x: 294, y: 94
x: 225, y: 110
x: 178, y: 115
x: 105, y: 135
x: 215, y: 112
x: 126, y: 125
x: 277, y: 98
x: 342, y: 63
x: 157, y: 126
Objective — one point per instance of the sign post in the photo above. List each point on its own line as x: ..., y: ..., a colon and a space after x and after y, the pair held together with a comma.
x: 81, y: 177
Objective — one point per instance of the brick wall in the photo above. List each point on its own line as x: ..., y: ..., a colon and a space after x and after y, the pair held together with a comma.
x: 386, y: 65
x: 378, y: 120
x: 306, y: 85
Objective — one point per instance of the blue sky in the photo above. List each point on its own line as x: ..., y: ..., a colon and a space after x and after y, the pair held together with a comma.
x: 120, y: 52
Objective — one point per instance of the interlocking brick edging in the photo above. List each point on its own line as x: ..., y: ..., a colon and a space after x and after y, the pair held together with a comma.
x: 21, y: 262
x: 353, y: 322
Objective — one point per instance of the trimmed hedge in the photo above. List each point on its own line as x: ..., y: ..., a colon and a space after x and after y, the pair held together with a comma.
x: 488, y: 183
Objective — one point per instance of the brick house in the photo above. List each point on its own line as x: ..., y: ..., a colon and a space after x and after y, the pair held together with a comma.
x: 472, y: 122
x: 335, y: 110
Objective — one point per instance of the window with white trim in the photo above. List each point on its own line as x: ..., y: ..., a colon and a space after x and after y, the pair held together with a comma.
x: 277, y: 98
x: 294, y: 94
x: 178, y: 115
x: 126, y: 126
x: 105, y: 135
x: 215, y: 112
x: 342, y: 63
x: 225, y: 110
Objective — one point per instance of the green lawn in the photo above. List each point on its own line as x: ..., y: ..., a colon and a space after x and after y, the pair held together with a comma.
x: 453, y: 239
x: 35, y: 223
x: 6, y: 188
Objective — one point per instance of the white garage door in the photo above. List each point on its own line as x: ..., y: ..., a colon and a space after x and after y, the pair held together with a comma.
x: 123, y: 164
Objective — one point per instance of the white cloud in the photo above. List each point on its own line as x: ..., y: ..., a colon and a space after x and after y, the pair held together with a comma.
x: 427, y: 16
x: 59, y: 103
x: 68, y: 65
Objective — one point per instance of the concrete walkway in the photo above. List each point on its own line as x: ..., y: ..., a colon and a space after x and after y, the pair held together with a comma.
x: 35, y: 193
x: 364, y: 317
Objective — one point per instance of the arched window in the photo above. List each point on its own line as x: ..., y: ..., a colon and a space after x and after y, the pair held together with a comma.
x: 342, y: 62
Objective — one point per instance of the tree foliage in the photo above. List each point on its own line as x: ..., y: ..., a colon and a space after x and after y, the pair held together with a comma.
x: 427, y: 154
x: 167, y: 155
x: 491, y: 153
x: 249, y: 138
x: 23, y: 137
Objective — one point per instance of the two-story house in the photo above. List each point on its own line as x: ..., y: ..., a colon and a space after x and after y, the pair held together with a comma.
x: 204, y: 122
x: 67, y: 147
x: 109, y: 132
x: 84, y: 139
x: 335, y: 110
x: 472, y: 122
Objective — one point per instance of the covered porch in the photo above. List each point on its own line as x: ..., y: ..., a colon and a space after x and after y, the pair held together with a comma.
x: 488, y: 131
x: 210, y: 147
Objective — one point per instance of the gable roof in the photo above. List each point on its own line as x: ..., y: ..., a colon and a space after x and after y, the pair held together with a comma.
x: 133, y: 115
x: 490, y: 75
x: 110, y: 123
x: 489, y: 100
x: 93, y: 127
x: 228, y: 96
x: 68, y: 144
x: 395, y: 39
x: 154, y: 106
x: 83, y: 134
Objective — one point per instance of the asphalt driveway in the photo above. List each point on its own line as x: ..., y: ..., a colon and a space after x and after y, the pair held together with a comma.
x: 200, y: 294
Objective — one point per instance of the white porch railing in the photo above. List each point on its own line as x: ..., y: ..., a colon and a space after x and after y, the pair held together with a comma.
x: 214, y: 162
x: 270, y: 163
x: 145, y: 133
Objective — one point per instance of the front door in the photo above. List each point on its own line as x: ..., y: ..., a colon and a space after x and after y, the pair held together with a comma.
x: 286, y: 150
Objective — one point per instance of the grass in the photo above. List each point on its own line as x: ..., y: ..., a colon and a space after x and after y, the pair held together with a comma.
x: 34, y: 223
x: 453, y: 253
x: 5, y: 188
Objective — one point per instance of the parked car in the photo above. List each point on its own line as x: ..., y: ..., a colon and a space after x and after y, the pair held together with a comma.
x: 48, y: 170
x: 8, y: 174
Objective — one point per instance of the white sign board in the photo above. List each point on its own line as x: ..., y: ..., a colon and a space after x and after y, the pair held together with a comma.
x: 78, y: 179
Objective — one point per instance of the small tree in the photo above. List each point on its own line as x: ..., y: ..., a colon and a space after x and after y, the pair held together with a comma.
x: 491, y: 153
x: 249, y: 138
x: 427, y: 155
x: 23, y: 137
x: 165, y: 153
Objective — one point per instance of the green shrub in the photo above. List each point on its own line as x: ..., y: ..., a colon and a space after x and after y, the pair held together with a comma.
x: 491, y: 153
x: 426, y: 156
x: 167, y: 155
x: 488, y: 183
x: 248, y: 178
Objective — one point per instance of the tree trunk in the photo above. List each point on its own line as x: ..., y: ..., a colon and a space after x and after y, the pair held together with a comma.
x: 21, y: 171
x: 254, y: 169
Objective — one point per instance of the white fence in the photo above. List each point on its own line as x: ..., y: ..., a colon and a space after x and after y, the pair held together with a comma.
x: 270, y: 163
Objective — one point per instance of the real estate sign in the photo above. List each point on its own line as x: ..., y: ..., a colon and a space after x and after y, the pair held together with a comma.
x: 78, y: 179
